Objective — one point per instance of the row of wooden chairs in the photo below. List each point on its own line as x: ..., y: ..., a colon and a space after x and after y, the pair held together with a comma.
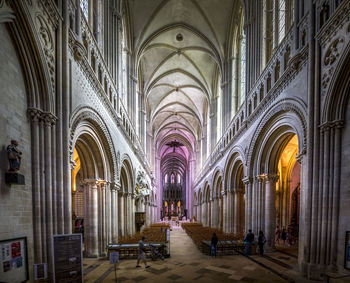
x: 198, y: 233
x: 152, y: 234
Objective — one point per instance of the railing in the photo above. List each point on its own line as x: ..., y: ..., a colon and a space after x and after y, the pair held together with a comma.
x: 266, y: 88
x: 108, y: 88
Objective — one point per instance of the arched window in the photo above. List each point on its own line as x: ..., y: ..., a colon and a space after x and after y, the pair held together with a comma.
x: 178, y: 178
x: 242, y: 77
x: 277, y: 20
x: 219, y: 110
x: 84, y: 4
x: 172, y: 178
x: 166, y: 178
x: 124, y: 68
x: 239, y: 65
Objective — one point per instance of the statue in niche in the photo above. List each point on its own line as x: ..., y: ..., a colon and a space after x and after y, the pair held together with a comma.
x: 14, y: 156
x: 141, y: 186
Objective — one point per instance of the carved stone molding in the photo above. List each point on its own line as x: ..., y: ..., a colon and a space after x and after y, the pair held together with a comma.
x: 272, y: 178
x: 6, y: 13
x: 333, y: 51
x: 87, y: 113
x: 334, y: 24
x: 247, y: 180
x: 37, y: 115
x: 280, y: 107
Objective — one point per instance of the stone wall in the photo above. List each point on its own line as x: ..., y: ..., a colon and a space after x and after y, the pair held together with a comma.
x: 15, y: 200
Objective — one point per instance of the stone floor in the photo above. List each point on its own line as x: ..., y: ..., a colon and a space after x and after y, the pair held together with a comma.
x: 187, y: 264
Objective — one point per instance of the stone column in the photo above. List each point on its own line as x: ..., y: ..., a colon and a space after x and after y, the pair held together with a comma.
x: 270, y: 210
x: 237, y: 214
x: 224, y: 211
x: 230, y: 210
x: 248, y: 204
x: 260, y: 202
x: 121, y: 214
x: 114, y: 213
x: 91, y: 227
x: 212, y: 212
x: 35, y: 142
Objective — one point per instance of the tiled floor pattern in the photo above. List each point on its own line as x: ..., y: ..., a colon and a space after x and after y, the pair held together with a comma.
x: 187, y: 264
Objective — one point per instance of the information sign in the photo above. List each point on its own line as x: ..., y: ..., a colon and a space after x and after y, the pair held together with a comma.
x: 347, y: 250
x: 114, y: 257
x: 40, y: 271
x: 67, y: 258
x: 13, y: 260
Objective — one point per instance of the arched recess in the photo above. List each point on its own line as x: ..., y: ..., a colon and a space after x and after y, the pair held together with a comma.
x: 278, y: 143
x: 218, y: 202
x: 334, y: 169
x: 90, y: 185
x: 207, y: 205
x: 234, y: 174
x: 40, y: 86
x: 88, y: 116
x: 126, y: 199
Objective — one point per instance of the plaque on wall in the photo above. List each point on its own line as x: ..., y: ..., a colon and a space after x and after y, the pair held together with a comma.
x: 67, y: 258
x: 14, y: 260
x: 347, y: 250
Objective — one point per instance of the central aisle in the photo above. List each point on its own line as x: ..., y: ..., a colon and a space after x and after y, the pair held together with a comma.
x: 182, y: 247
x: 186, y: 264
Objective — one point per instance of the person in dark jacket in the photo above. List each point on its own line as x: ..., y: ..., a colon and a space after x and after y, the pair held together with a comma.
x: 213, y: 244
x: 261, y: 242
x: 248, y: 240
x: 284, y: 236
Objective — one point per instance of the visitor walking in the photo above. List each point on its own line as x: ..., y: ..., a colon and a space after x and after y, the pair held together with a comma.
x: 277, y: 235
x: 142, y: 253
x: 284, y: 236
x: 248, y: 240
x: 213, y: 244
x: 261, y: 242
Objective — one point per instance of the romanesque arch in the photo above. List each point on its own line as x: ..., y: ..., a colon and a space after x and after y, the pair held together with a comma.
x: 277, y: 144
x: 234, y: 174
x: 92, y: 176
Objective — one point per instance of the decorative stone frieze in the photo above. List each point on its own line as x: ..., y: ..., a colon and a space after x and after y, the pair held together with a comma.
x: 334, y: 24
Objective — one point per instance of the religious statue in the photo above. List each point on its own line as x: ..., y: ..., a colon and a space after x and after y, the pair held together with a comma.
x: 14, y: 156
x: 141, y: 186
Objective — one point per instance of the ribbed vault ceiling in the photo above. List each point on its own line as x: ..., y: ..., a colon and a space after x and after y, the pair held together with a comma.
x: 179, y: 46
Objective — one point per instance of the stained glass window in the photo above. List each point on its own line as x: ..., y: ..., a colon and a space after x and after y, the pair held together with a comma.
x: 84, y: 4
x: 281, y: 23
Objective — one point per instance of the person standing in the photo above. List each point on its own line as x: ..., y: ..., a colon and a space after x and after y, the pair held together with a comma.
x: 213, y: 244
x: 284, y: 236
x: 249, y: 239
x: 142, y: 253
x: 277, y: 235
x: 261, y: 242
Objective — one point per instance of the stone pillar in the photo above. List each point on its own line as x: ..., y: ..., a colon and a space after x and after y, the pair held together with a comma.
x: 121, y: 214
x: 270, y: 211
x: 114, y: 213
x: 230, y: 210
x: 212, y: 213
x: 34, y: 115
x: 91, y: 227
x: 237, y: 214
x: 224, y: 211
x: 248, y: 204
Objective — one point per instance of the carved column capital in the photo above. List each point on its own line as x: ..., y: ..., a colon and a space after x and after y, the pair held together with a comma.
x: 260, y: 178
x: 272, y: 178
x: 247, y: 180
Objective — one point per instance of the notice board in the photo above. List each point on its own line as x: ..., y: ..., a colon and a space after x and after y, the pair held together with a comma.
x: 67, y: 258
x: 14, y: 260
